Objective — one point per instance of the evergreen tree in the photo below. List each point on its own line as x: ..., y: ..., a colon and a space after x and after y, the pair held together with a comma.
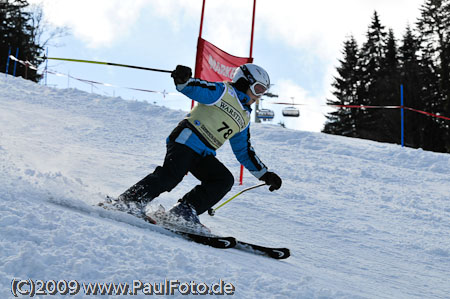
x: 344, y: 121
x: 434, y: 136
x: 17, y: 31
x: 372, y: 61
x: 388, y: 88
x: 411, y: 77
x: 434, y: 28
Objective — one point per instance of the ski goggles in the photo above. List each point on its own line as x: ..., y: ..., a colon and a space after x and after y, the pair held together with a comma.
x: 257, y: 88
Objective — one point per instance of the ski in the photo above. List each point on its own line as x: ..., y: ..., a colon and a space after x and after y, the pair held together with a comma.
x: 228, y: 242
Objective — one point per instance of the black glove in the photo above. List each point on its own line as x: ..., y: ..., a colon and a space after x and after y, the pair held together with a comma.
x: 181, y: 74
x: 271, y: 179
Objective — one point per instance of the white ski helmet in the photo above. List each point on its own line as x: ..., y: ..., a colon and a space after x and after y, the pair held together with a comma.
x: 256, y: 76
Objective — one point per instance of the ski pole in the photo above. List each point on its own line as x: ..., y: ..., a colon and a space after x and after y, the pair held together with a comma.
x: 212, y: 211
x: 109, y: 63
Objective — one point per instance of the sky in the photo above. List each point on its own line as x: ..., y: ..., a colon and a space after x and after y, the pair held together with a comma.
x: 299, y: 43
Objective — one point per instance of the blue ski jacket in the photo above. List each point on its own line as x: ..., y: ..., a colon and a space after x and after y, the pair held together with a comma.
x: 206, y: 92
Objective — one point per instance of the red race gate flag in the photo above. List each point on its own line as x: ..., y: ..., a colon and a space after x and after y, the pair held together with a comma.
x: 213, y: 64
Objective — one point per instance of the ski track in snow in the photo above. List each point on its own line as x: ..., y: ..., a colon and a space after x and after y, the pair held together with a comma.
x: 362, y: 219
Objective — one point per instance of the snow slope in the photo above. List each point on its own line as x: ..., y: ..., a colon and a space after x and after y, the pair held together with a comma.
x: 362, y: 219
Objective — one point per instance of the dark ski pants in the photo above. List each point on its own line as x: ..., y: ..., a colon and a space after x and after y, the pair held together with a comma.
x: 216, y: 180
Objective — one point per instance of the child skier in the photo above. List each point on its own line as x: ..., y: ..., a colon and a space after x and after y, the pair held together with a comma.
x: 222, y: 113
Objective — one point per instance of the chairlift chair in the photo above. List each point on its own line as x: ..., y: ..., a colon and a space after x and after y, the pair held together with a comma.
x: 265, y: 114
x: 291, y: 112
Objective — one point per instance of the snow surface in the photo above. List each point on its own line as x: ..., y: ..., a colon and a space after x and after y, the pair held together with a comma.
x: 362, y: 219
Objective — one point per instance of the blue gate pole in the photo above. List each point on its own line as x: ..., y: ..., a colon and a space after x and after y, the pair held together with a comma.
x: 403, y: 115
x: 15, y: 62
x: 7, y: 62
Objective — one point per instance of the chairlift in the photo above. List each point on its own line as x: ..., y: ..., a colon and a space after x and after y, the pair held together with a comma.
x: 265, y: 114
x: 291, y: 112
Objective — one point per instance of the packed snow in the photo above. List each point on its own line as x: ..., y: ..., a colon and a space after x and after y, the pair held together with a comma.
x: 362, y: 219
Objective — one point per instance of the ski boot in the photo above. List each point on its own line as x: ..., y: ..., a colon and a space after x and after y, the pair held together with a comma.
x: 126, y: 203
x: 185, y: 211
x: 184, y: 215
